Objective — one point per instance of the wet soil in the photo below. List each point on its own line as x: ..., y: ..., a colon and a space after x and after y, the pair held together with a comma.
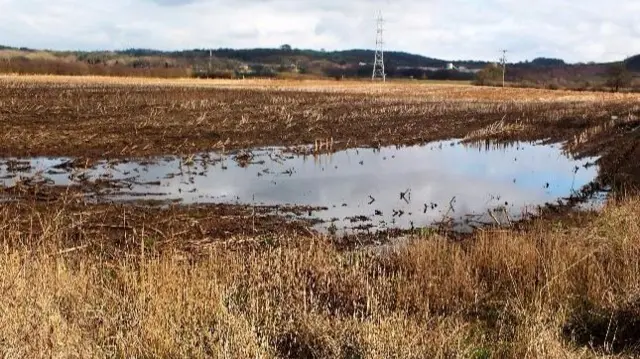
x: 112, y: 227
x: 96, y: 121
x: 93, y: 121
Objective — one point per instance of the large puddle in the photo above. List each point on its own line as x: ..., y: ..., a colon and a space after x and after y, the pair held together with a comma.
x: 359, y: 189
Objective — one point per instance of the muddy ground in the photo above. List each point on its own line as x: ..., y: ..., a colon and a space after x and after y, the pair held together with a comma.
x: 110, y: 228
x: 98, y: 121
x: 92, y: 120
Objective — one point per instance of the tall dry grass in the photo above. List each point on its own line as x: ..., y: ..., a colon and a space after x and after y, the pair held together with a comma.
x: 554, y: 291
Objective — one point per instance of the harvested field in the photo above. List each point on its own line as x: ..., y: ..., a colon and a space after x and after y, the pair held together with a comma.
x: 94, y: 266
x: 99, y: 118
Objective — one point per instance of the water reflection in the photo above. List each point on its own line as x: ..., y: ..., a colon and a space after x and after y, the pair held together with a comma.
x: 386, y: 188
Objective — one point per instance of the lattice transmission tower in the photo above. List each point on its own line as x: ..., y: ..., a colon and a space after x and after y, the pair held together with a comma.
x: 378, y: 63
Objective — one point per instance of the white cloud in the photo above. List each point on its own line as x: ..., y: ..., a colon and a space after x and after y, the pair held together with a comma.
x: 589, y: 30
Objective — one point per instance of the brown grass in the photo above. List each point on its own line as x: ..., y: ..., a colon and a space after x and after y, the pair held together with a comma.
x: 423, y: 90
x: 501, y: 294
x: 496, y: 130
x: 38, y: 63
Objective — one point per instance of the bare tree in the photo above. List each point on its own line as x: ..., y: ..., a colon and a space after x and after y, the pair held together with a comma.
x: 618, y: 76
x: 489, y: 76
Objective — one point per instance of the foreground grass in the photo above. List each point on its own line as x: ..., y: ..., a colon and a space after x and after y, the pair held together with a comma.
x: 550, y: 292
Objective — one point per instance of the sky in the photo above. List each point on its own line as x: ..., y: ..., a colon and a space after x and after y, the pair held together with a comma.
x: 577, y: 31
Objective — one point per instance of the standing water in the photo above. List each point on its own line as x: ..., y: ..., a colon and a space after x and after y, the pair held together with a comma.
x: 393, y: 187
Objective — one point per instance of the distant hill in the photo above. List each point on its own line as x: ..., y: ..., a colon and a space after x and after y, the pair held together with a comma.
x: 231, y: 63
x: 287, y: 62
x: 547, y: 62
x: 278, y: 56
x: 273, y: 56
x: 633, y: 63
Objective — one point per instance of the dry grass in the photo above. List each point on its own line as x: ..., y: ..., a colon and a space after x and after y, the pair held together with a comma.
x: 497, y: 130
x: 501, y: 294
x: 426, y: 90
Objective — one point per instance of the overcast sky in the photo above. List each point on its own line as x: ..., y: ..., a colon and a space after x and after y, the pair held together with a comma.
x: 577, y: 31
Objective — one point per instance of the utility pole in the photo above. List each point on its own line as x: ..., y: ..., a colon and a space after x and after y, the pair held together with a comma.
x: 503, y: 61
x: 210, y: 61
x: 378, y: 62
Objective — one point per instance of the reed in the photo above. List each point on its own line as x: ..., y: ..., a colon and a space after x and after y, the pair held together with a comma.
x: 558, y: 289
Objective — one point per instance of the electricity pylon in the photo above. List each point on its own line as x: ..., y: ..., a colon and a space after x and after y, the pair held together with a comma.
x: 378, y: 63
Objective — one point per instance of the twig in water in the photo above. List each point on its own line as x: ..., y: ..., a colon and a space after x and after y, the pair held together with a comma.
x: 494, y: 217
x: 506, y: 214
x: 451, y: 209
x: 406, y: 195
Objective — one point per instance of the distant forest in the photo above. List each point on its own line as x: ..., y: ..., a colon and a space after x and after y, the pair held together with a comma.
x: 289, y: 62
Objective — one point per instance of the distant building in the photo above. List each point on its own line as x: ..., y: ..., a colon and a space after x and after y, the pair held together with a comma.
x: 449, y: 67
x: 468, y: 71
x: 243, y: 69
